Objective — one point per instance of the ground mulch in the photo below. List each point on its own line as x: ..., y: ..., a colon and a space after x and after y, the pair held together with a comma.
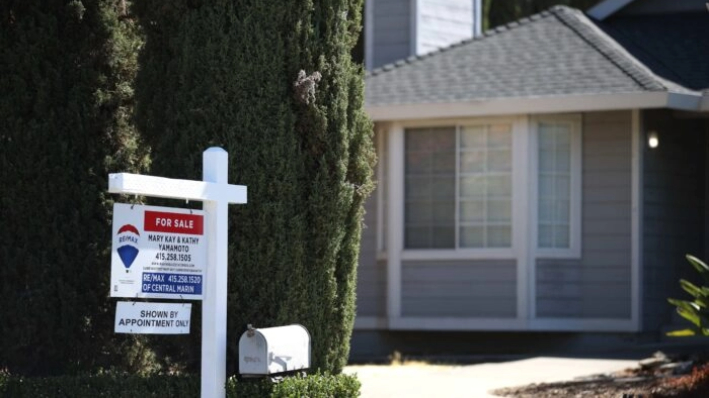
x: 656, y: 377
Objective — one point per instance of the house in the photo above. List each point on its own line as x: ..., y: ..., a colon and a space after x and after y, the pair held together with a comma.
x: 545, y: 178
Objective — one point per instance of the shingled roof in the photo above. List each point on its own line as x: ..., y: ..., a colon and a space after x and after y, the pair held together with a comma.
x: 559, y: 52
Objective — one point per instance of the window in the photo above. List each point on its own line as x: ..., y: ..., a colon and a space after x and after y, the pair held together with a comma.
x: 485, y: 186
x: 430, y: 181
x: 458, y: 187
x: 558, y: 186
x: 554, y: 185
x: 480, y: 184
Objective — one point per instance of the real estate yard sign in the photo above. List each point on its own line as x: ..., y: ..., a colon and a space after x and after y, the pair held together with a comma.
x: 158, y: 252
x: 168, y: 270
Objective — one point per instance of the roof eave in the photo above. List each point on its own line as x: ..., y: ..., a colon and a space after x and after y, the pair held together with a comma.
x: 684, y: 101
x: 532, y: 105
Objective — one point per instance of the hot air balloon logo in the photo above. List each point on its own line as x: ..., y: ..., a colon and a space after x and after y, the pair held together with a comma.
x: 128, y: 237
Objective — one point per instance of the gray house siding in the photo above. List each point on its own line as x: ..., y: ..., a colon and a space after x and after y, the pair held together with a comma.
x: 673, y: 210
x: 371, y: 274
x: 392, y: 31
x: 598, y: 285
x: 476, y: 289
x: 662, y: 6
x: 443, y: 22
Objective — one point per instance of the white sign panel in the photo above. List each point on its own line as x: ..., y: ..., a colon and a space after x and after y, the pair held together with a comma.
x: 158, y: 252
x: 152, y: 318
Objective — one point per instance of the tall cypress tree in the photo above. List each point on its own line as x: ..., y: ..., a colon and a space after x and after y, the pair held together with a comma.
x: 272, y: 82
x: 65, y: 75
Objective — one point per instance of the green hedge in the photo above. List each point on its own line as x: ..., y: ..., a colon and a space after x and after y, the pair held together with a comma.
x: 272, y: 82
x: 66, y: 69
x: 128, y: 386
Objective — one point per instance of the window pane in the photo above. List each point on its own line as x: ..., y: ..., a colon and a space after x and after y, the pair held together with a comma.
x: 499, y: 211
x: 546, y: 210
x: 562, y: 136
x: 500, y: 136
x: 443, y: 163
x: 554, y: 175
x: 473, y: 137
x: 429, y: 214
x: 418, y: 140
x: 472, y: 210
x: 419, y: 213
x: 418, y: 187
x: 546, y: 136
x: 546, y: 236
x: 418, y: 163
x: 417, y: 237
x: 472, y: 186
x: 442, y: 140
x: 485, y: 186
x: 546, y: 186
x: 561, y: 236
x: 499, y: 186
x: 444, y: 238
x: 499, y: 160
x: 563, y: 187
x: 562, y: 160
x: 499, y: 236
x: 472, y: 237
x: 547, y: 162
x: 472, y: 161
x: 444, y: 188
x: 444, y: 214
x: 562, y: 212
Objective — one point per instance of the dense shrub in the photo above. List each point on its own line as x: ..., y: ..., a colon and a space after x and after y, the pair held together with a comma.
x: 315, y: 386
x: 107, y: 385
x: 272, y: 82
x: 65, y: 76
x: 123, y: 386
x: 695, y: 311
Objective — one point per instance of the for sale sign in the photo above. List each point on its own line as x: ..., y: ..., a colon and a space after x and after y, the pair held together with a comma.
x: 158, y: 252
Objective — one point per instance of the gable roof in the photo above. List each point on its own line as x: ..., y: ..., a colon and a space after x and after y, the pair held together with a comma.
x: 557, y: 60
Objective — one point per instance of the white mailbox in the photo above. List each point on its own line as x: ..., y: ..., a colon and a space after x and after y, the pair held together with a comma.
x: 268, y: 351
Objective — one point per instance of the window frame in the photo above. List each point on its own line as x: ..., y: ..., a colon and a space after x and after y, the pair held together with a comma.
x: 519, y: 138
x: 525, y: 201
x: 381, y: 148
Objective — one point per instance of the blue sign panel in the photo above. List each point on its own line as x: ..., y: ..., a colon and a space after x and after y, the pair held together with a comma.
x: 178, y: 284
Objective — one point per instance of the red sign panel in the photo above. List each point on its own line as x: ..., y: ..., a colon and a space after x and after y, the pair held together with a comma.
x: 176, y: 223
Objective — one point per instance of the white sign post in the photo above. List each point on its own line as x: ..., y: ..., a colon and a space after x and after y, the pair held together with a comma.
x: 216, y: 194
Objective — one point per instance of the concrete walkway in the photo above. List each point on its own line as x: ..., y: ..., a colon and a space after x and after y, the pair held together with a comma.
x: 474, y: 381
